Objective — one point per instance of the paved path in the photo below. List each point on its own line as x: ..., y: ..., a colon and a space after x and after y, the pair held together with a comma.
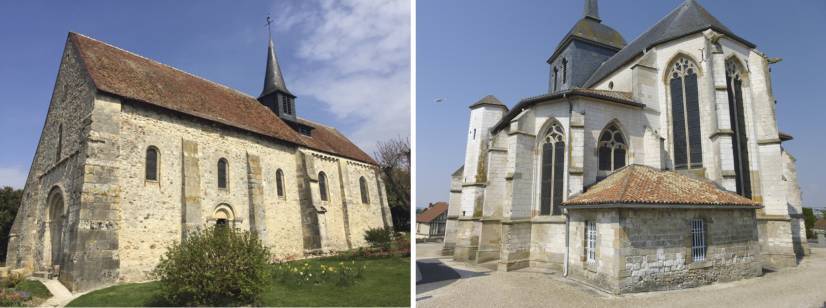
x: 60, y: 295
x: 802, y: 286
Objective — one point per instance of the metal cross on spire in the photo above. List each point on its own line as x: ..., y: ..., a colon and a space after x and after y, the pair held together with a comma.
x: 269, y: 22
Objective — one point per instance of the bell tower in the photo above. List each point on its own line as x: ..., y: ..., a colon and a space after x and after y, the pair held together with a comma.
x: 275, y: 94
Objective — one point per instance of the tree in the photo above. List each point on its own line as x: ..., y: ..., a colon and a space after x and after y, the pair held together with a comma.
x: 809, y: 219
x: 9, y: 202
x: 393, y: 157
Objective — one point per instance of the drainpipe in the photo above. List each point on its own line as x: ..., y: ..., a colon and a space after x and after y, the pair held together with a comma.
x: 567, y: 244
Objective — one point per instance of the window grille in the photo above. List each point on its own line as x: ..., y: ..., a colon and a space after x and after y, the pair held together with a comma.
x: 698, y: 240
x: 591, y: 242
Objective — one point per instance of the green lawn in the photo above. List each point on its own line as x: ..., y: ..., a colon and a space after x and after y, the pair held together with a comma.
x: 385, y: 282
x: 36, y: 288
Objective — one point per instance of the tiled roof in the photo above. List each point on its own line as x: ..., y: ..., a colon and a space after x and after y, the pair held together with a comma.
x: 637, y: 184
x: 125, y: 74
x: 820, y: 224
x: 432, y: 212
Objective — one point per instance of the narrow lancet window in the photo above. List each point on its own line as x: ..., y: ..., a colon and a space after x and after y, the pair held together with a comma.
x: 279, y: 183
x: 152, y: 164
x: 685, y: 115
x: 222, y: 173
x: 322, y: 185
x: 365, y: 197
x: 739, y: 144
x: 553, y: 164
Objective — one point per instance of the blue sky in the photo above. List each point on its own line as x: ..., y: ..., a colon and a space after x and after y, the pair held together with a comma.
x: 344, y: 59
x: 468, y: 49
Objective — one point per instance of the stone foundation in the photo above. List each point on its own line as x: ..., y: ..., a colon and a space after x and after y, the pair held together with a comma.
x: 776, y: 244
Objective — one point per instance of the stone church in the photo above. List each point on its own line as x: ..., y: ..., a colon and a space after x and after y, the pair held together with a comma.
x: 648, y: 165
x: 135, y: 153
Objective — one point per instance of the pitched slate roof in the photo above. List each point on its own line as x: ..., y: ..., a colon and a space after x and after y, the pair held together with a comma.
x: 623, y: 98
x: 432, y: 212
x: 489, y: 100
x: 125, y: 74
x: 637, y: 184
x: 591, y: 30
x: 689, y: 18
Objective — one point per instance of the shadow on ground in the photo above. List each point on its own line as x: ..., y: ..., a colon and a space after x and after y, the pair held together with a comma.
x: 436, y: 274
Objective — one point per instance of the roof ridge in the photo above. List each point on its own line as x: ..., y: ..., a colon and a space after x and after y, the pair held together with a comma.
x: 165, y: 65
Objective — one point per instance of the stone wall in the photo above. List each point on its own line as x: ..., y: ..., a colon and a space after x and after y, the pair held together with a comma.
x: 67, y: 124
x: 650, y: 250
x: 152, y: 210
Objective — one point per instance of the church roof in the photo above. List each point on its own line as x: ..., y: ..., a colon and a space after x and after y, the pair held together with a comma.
x: 431, y: 212
x: 623, y: 98
x: 136, y: 78
x: 643, y: 185
x: 591, y: 30
x: 459, y: 171
x: 689, y: 18
x: 489, y: 100
x: 273, y: 79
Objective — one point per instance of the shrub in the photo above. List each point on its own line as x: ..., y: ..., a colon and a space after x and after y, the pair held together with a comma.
x: 218, y: 266
x: 379, y: 237
x: 12, y: 298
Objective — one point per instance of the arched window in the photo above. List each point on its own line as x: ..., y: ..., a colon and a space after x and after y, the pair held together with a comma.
x: 59, y: 142
x: 611, y: 149
x: 553, y: 164
x: 279, y: 182
x: 685, y: 115
x: 734, y: 87
x: 365, y: 197
x: 564, y: 71
x: 322, y: 185
x: 556, y: 78
x: 152, y: 163
x: 222, y: 173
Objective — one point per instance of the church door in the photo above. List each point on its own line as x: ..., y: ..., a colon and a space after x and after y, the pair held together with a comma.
x: 56, y: 225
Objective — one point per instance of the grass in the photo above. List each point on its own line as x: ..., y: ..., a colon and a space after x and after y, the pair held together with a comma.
x: 385, y: 282
x: 36, y: 288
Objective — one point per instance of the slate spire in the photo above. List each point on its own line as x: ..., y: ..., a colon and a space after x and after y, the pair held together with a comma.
x: 592, y: 10
x: 273, y: 79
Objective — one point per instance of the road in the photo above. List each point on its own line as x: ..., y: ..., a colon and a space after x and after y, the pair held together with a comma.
x: 802, y: 286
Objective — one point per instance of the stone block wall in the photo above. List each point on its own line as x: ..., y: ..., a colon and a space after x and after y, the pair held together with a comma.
x: 516, y: 245
x: 547, y: 242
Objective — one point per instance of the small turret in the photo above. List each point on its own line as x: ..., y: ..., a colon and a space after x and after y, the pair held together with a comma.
x: 275, y: 94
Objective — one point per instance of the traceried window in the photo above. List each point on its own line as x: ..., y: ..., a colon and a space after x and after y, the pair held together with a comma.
x: 279, y: 183
x: 591, y: 242
x: 322, y: 185
x: 564, y: 71
x: 611, y: 149
x: 739, y: 144
x: 685, y: 115
x: 365, y: 196
x: 152, y: 163
x: 222, y: 173
x: 553, y: 164
x: 698, y: 240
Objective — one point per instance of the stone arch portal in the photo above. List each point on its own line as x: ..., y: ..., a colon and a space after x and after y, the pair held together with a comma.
x: 223, y: 215
x: 56, y: 226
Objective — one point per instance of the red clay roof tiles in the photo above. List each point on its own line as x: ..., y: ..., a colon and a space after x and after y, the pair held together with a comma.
x: 122, y: 73
x: 636, y: 184
x: 432, y: 212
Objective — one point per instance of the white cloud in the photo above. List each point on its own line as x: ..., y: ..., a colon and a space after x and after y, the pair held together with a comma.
x: 12, y: 176
x: 358, y: 55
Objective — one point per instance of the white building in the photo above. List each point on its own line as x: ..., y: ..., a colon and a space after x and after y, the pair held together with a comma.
x: 687, y: 95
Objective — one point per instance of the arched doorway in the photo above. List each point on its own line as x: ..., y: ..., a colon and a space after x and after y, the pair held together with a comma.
x: 223, y: 216
x: 56, y: 226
